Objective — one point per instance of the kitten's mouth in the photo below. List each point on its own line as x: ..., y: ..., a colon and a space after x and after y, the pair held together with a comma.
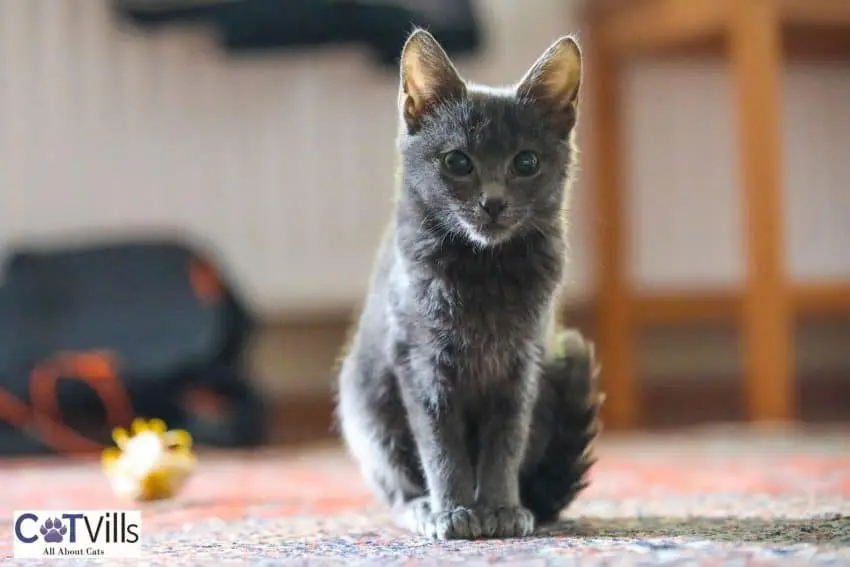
x: 493, y: 227
x: 487, y: 232
x: 495, y: 231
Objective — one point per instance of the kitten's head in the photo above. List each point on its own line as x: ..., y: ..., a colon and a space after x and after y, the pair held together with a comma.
x: 484, y: 162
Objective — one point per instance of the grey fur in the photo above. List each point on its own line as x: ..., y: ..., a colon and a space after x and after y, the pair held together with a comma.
x: 439, y: 392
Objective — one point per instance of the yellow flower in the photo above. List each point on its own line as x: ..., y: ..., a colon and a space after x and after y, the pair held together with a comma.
x: 150, y: 462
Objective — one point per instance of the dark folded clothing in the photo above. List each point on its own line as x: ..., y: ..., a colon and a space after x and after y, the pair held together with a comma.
x: 256, y: 25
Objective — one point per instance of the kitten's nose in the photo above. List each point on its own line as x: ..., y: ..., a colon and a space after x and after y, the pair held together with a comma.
x: 493, y: 206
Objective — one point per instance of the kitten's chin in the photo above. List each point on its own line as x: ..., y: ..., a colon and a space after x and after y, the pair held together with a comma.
x: 490, y: 234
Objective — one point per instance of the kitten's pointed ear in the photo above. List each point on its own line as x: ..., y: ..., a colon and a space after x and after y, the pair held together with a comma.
x: 554, y: 81
x: 428, y: 78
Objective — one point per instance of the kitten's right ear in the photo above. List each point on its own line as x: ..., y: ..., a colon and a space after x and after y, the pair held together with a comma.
x: 428, y: 78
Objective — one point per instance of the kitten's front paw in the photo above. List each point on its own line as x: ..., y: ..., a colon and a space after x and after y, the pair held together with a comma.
x: 459, y: 523
x: 506, y: 522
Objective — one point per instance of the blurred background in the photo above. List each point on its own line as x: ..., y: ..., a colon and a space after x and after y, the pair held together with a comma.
x: 248, y: 145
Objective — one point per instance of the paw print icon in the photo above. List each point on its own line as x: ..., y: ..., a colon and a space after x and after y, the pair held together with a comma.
x: 53, y: 531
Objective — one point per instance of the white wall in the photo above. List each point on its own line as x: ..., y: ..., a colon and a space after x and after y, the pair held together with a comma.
x: 286, y: 162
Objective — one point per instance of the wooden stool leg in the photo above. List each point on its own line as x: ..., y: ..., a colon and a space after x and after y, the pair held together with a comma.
x: 614, y: 323
x: 756, y: 56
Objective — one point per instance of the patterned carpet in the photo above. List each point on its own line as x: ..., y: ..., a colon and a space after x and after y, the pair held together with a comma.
x: 700, y: 497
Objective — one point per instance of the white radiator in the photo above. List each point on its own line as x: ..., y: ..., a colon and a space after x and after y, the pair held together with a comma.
x: 285, y: 162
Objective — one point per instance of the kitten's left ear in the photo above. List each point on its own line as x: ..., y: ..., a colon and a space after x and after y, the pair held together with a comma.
x: 554, y: 81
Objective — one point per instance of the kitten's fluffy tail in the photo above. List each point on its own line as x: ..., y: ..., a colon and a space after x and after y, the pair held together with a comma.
x: 565, y: 424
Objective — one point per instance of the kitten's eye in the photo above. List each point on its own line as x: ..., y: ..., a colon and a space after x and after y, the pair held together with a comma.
x: 457, y: 163
x: 526, y: 164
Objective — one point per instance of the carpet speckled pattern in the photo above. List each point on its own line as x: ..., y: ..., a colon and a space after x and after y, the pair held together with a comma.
x: 705, y: 497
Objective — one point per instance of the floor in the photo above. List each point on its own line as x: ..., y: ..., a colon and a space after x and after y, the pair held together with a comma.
x: 716, y: 496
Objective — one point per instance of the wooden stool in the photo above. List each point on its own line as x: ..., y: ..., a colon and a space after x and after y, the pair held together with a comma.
x: 752, y: 36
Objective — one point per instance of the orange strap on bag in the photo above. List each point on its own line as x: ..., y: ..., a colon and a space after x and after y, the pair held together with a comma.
x: 97, y: 369
x: 43, y: 417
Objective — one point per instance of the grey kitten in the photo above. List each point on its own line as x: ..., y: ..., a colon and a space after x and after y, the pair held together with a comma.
x: 459, y: 418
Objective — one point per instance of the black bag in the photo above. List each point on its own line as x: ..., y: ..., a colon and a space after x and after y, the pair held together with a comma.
x: 95, y: 335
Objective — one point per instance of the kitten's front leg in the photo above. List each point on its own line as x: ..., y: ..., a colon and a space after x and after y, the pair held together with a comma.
x: 439, y: 430
x: 503, y: 435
